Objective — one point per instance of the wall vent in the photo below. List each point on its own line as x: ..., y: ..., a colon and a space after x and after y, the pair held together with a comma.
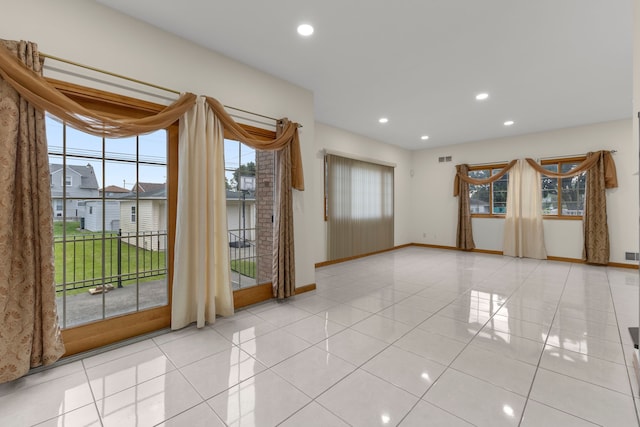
x: 444, y: 159
x: 632, y: 256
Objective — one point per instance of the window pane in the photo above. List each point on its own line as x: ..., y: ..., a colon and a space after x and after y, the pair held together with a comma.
x: 109, y: 232
x: 479, y: 194
x: 573, y: 190
x: 249, y: 176
x: 550, y: 192
x: 500, y: 193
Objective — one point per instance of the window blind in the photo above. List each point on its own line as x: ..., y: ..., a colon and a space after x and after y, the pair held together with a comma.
x: 359, y: 207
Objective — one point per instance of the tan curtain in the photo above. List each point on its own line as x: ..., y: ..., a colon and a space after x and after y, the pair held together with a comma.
x: 284, y: 264
x: 287, y: 136
x: 608, y: 165
x: 523, y: 229
x: 461, y: 176
x: 464, y: 235
x: 34, y: 88
x: 29, y: 333
x: 596, y: 230
x: 201, y: 278
x: 289, y: 174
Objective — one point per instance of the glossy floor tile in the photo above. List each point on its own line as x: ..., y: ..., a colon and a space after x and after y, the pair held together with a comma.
x: 411, y: 337
x: 363, y: 399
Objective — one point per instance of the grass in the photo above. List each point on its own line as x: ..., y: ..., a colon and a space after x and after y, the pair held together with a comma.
x: 83, y: 259
x: 246, y: 268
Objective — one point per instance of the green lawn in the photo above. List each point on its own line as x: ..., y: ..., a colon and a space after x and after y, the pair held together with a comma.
x: 246, y: 268
x: 83, y: 259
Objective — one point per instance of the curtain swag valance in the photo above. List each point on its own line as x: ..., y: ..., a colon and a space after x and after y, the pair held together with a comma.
x: 45, y: 97
x: 611, y: 179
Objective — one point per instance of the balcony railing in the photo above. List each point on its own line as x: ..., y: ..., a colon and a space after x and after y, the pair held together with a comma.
x: 243, y: 256
x: 84, y: 261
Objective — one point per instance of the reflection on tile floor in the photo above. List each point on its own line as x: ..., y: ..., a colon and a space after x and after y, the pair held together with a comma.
x: 412, y: 337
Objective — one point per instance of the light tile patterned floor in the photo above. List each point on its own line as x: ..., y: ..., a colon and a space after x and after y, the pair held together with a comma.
x: 413, y: 337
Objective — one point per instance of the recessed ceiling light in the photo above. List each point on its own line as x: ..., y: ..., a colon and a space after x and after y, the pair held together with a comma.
x: 482, y: 96
x: 424, y: 137
x: 383, y: 120
x: 509, y: 122
x: 305, y: 30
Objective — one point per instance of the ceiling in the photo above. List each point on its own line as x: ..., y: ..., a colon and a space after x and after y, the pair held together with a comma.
x: 546, y: 64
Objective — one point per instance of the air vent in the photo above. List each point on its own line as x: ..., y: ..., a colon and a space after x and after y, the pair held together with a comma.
x: 632, y: 256
x: 444, y: 159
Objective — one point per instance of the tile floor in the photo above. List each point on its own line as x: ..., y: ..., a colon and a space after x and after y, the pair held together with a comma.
x: 413, y: 337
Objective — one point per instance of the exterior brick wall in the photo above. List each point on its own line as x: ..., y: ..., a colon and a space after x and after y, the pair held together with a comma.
x: 265, y: 162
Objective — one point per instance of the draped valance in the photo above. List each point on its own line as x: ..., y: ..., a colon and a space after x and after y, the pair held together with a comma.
x: 45, y: 97
x: 611, y: 179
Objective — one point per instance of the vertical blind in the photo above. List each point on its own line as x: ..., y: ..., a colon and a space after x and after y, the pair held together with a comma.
x: 359, y: 207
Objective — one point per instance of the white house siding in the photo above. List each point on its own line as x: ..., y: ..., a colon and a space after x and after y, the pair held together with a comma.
x: 148, y: 215
x: 93, y: 215
x: 234, y: 219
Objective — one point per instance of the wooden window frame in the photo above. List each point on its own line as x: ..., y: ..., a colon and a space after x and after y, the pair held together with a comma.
x: 559, y: 161
x: 93, y: 335
x: 85, y: 337
x: 491, y: 167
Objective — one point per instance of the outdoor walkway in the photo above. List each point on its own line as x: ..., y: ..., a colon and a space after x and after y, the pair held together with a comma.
x: 85, y: 308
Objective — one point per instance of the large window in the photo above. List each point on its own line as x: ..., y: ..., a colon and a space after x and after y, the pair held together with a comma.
x: 359, y: 207
x: 99, y: 245
x: 249, y: 179
x: 488, y: 199
x: 114, y: 224
x: 563, y: 197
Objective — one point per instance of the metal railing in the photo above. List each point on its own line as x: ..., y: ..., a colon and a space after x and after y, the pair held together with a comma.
x: 243, y: 256
x: 87, y: 260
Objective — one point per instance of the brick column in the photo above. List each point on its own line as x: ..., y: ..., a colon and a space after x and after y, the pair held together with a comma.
x: 265, y: 162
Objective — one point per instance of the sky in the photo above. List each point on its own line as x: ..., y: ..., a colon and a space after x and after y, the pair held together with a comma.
x: 119, y: 168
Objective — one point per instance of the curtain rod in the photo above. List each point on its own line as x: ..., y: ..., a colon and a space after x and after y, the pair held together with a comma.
x: 539, y: 158
x: 502, y: 163
x: 131, y: 79
x: 570, y: 155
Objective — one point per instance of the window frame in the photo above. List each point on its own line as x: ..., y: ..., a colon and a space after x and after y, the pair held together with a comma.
x: 491, y: 167
x: 133, y: 214
x: 66, y: 178
x: 96, y: 334
x: 559, y: 161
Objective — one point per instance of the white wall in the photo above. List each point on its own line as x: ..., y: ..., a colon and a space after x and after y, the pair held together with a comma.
x: 434, y: 210
x: 89, y: 33
x: 331, y: 138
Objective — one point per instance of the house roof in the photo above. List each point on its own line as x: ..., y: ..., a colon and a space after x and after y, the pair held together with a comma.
x: 114, y: 189
x: 153, y: 191
x: 88, y: 178
x: 145, y: 187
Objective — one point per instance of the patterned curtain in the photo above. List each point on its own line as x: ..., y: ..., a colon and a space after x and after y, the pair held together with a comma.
x: 284, y: 263
x: 29, y: 335
x: 464, y: 236
x: 596, y: 230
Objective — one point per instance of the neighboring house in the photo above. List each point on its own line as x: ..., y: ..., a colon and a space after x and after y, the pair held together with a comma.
x: 78, y: 182
x: 147, y: 216
x: 235, y: 222
x: 94, y: 212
